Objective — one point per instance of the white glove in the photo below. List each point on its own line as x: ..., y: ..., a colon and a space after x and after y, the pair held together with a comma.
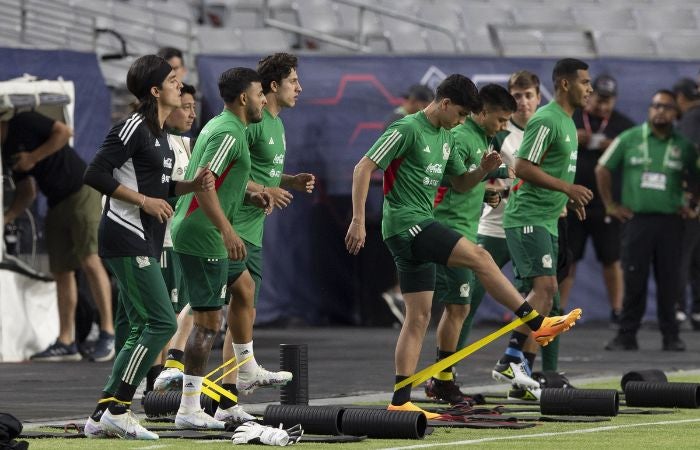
x: 254, y: 433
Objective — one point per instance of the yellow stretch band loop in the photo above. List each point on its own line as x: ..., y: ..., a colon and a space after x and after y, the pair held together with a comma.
x: 451, y: 360
x: 174, y: 364
x: 233, y: 368
x: 107, y: 400
x: 221, y: 367
x: 211, y: 386
x: 211, y: 394
x: 444, y: 376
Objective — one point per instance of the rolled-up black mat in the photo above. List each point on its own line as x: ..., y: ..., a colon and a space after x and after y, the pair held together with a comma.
x: 380, y: 423
x: 653, y: 375
x: 670, y: 395
x: 580, y: 402
x: 551, y: 379
x: 294, y: 359
x: 314, y: 419
x: 159, y: 404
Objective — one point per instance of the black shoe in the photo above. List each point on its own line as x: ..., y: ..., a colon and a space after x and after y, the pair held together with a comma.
x: 673, y: 344
x: 622, y: 342
x: 447, y: 391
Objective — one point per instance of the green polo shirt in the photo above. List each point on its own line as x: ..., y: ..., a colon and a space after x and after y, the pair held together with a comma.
x: 652, y: 169
x: 461, y: 210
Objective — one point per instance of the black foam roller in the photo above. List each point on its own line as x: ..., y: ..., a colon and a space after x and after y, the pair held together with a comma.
x: 163, y: 404
x: 670, y: 395
x: 380, y: 423
x: 580, y: 402
x: 294, y: 358
x: 653, y: 375
x: 314, y: 419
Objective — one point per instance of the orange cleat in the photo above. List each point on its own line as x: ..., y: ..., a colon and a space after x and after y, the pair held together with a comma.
x: 554, y: 326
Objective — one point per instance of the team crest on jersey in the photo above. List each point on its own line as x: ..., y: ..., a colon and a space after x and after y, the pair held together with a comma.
x: 173, y: 295
x: 168, y: 163
x: 143, y: 261
x: 547, y: 261
x: 445, y: 151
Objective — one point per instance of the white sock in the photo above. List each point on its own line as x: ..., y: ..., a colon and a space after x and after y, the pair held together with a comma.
x: 243, y: 351
x: 191, y: 390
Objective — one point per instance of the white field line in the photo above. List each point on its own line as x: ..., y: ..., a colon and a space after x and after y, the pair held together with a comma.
x: 529, y: 436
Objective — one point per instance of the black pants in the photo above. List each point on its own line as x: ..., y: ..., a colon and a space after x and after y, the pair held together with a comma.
x: 690, y: 265
x: 651, y: 240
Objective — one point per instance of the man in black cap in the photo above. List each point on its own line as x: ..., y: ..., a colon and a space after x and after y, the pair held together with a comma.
x: 688, y: 100
x: 597, y: 124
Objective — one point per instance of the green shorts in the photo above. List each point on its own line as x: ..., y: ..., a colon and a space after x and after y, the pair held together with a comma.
x: 497, y: 247
x: 253, y: 263
x: 534, y: 251
x: 173, y: 279
x: 454, y: 285
x: 71, y: 229
x: 204, y: 282
x: 417, y: 250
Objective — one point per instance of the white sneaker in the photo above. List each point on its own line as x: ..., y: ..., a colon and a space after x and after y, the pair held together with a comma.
x: 197, y: 419
x: 248, y: 381
x: 514, y: 373
x: 169, y: 379
x: 234, y: 414
x: 125, y: 426
x: 95, y: 430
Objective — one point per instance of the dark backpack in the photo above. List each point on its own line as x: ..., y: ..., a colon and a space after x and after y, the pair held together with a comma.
x: 10, y: 428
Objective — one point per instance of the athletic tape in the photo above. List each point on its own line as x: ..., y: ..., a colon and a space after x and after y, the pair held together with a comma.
x: 416, y: 379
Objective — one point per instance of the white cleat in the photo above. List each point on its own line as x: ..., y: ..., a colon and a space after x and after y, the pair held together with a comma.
x: 95, y: 430
x: 514, y: 373
x: 234, y: 414
x: 125, y: 426
x: 197, y: 419
x: 169, y: 379
x: 248, y: 381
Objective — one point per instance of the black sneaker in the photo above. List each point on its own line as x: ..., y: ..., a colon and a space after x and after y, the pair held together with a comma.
x: 58, y: 352
x: 104, y: 348
x: 447, y: 391
x: 673, y: 344
x: 622, y: 342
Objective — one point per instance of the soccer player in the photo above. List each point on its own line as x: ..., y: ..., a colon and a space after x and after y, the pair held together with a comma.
x: 460, y: 211
x: 545, y: 165
x: 415, y: 154
x: 203, y: 236
x: 133, y: 169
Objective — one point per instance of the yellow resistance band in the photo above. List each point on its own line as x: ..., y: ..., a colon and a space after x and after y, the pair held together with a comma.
x: 429, y: 371
x: 213, y: 390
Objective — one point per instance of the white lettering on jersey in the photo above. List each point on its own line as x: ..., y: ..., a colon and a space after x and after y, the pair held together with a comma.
x: 168, y: 163
x: 279, y: 159
x: 164, y: 179
x: 434, y: 168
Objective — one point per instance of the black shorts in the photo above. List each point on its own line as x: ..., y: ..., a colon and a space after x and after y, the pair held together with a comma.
x: 416, y: 253
x: 604, y: 230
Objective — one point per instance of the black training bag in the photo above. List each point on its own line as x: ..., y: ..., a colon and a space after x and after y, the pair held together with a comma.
x: 10, y: 428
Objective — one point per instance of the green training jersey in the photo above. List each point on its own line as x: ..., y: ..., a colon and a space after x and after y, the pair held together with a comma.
x: 652, y: 169
x: 461, y: 210
x: 267, y: 149
x: 415, y: 155
x: 222, y: 144
x: 550, y: 142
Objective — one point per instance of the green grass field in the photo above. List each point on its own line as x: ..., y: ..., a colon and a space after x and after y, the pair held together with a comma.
x: 679, y: 430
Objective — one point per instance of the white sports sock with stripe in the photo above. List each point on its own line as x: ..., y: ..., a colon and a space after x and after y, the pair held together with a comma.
x: 191, y: 390
x: 243, y: 351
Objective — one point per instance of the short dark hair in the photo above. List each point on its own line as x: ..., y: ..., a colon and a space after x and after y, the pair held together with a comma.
x: 188, y: 89
x: 567, y: 68
x: 668, y: 92
x: 524, y: 79
x: 275, y: 67
x: 460, y: 90
x: 169, y: 52
x: 235, y: 81
x: 496, y: 96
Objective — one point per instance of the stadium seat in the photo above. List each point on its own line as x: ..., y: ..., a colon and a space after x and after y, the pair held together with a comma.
x: 665, y: 19
x: 680, y: 45
x: 625, y: 43
x: 219, y: 40
x: 604, y: 19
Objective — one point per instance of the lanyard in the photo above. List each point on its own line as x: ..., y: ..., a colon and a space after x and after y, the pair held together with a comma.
x: 587, y: 124
x: 645, y: 148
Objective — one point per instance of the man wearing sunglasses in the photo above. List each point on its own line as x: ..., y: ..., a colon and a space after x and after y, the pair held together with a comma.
x: 653, y: 158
